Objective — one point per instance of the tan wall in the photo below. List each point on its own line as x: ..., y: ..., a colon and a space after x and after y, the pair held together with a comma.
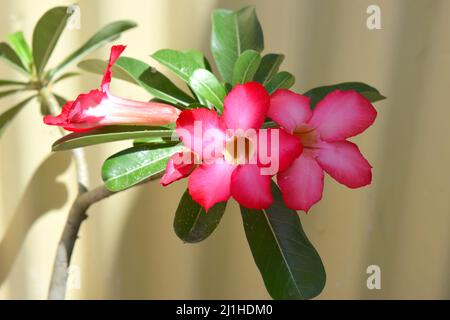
x: 127, y: 247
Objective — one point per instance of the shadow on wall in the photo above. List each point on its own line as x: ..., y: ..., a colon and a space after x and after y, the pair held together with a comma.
x: 43, y: 194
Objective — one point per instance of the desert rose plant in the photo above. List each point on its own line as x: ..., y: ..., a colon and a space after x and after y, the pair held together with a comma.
x: 240, y: 134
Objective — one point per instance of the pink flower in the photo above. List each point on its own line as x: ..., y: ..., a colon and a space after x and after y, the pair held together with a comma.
x: 99, y: 108
x: 225, y: 169
x: 323, y: 133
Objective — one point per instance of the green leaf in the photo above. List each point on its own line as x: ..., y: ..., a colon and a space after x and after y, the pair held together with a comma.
x: 108, y: 134
x: 61, y: 100
x: 155, y: 141
x: 182, y: 63
x: 66, y: 76
x: 290, y: 266
x: 233, y: 32
x: 205, y: 84
x: 269, y: 66
x: 228, y: 86
x: 134, y: 165
x: 21, y: 47
x: 192, y: 223
x: 282, y: 80
x: 246, y: 66
x: 7, y: 116
x: 108, y: 33
x: 140, y: 73
x: 270, y: 124
x: 200, y: 100
x: 11, y: 83
x: 11, y: 57
x: 45, y: 109
x: 9, y: 92
x: 367, y: 91
x: 154, y: 82
x: 98, y: 66
x: 207, y: 64
x: 46, y: 34
x: 196, y: 105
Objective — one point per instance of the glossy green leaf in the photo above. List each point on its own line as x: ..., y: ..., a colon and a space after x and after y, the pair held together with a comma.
x: 207, y: 64
x: 108, y: 134
x: 205, y: 84
x: 108, y: 33
x: 154, y: 141
x: 7, y: 116
x: 46, y: 34
x: 228, y: 87
x: 200, y: 100
x: 11, y: 57
x: 182, y: 63
x: 270, y: 64
x: 290, y: 266
x: 140, y: 73
x: 151, y: 140
x: 282, y: 80
x: 134, y: 165
x: 21, y: 47
x: 154, y: 82
x: 367, y: 91
x: 192, y: 223
x: 246, y: 66
x: 234, y: 32
x: 196, y: 105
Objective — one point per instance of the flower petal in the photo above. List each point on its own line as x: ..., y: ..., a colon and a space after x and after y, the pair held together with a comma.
x: 277, y: 149
x: 120, y: 111
x: 302, y: 184
x: 116, y: 51
x: 210, y: 183
x: 342, y: 114
x: 180, y: 165
x: 75, y: 116
x: 245, y: 107
x: 250, y: 188
x: 289, y: 109
x: 344, y: 162
x: 202, y: 131
x: 60, y: 119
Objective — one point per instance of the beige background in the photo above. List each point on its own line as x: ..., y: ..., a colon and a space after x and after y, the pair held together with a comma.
x: 127, y: 248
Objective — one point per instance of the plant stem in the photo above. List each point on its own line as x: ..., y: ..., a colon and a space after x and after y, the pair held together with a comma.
x: 77, y: 215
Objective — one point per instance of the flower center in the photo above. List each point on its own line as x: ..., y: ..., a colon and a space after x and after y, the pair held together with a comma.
x: 307, y: 135
x: 239, y: 150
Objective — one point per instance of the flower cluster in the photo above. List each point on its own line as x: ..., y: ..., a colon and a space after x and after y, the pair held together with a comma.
x: 308, y: 143
x: 232, y: 154
x: 235, y: 166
